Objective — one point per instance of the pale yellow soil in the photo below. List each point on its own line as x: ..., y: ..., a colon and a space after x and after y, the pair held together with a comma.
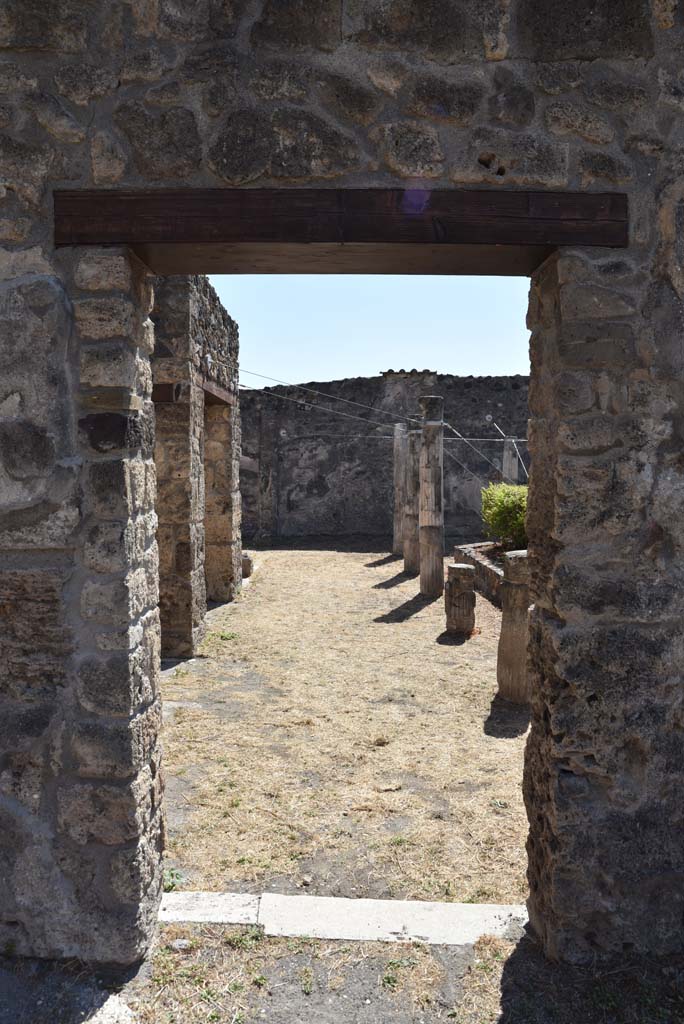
x: 329, y: 740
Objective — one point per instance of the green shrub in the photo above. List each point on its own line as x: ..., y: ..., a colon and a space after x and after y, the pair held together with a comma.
x: 503, y: 512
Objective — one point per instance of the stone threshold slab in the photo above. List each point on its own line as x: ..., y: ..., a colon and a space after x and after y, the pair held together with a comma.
x: 331, y: 917
x: 210, y: 907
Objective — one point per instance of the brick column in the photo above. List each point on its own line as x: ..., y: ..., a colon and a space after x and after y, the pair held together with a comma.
x: 222, y: 520
x: 179, y: 458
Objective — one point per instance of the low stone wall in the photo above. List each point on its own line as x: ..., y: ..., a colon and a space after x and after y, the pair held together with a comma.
x: 488, y: 574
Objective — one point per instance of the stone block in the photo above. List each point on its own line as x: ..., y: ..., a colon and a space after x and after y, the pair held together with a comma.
x: 571, y: 119
x: 438, y: 98
x: 58, y: 25
x: 291, y: 26
x: 117, y: 601
x: 105, y: 547
x: 585, y: 30
x: 107, y: 432
x: 445, y: 31
x: 280, y: 80
x: 26, y: 450
x: 107, y: 159
x: 410, y: 149
x: 511, y: 102
x: 592, y: 302
x: 98, y: 319
x: 166, y: 145
x: 348, y: 98
x: 198, y: 22
x: 24, y: 167
x: 115, y: 749
x: 108, y: 365
x: 136, y: 871
x: 117, y: 684
x: 596, y: 345
x: 459, y: 600
x: 84, y: 82
x: 242, y: 149
x: 148, y: 65
x: 503, y: 157
x: 103, y: 271
x: 56, y: 119
x: 306, y: 146
x: 599, y: 166
x: 610, y: 92
x: 96, y: 812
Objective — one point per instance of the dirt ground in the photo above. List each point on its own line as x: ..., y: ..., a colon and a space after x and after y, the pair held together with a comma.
x: 201, y: 974
x: 329, y: 740
x: 332, y: 738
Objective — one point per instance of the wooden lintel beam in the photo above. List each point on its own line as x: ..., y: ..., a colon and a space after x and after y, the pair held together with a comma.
x: 307, y: 216
x: 214, y: 394
x: 164, y: 393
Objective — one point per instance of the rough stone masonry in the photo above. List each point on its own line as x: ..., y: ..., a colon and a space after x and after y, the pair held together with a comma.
x: 308, y: 472
x: 197, y: 457
x: 448, y: 93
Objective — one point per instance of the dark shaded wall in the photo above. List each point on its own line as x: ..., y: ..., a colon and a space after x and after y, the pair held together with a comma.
x: 308, y: 471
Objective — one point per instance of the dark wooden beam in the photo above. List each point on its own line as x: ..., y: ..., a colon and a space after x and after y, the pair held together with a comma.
x: 218, y: 230
x: 214, y: 394
x: 164, y: 393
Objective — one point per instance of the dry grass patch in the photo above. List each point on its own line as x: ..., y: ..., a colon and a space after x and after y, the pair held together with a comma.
x: 203, y: 973
x: 331, y: 739
x: 515, y: 984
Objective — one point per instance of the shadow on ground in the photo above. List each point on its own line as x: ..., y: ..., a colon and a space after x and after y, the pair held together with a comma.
x: 355, y: 543
x: 505, y: 719
x: 452, y: 639
x: 49, y: 992
x: 404, y: 611
x: 393, y: 581
x: 630, y: 991
x: 385, y: 560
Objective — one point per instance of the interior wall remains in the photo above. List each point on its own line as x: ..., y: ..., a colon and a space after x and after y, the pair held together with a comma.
x: 312, y: 473
x: 196, y: 454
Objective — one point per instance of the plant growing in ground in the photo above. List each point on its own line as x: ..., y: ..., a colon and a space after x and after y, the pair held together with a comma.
x: 503, y: 513
x: 172, y: 879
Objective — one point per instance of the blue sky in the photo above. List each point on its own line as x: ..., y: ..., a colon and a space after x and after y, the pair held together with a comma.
x: 303, y: 328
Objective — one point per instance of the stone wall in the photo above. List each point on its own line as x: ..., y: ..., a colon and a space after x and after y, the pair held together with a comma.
x: 197, y: 457
x: 309, y: 473
x: 402, y: 93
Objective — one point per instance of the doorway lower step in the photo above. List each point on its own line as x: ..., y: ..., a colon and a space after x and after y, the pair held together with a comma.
x: 332, y: 917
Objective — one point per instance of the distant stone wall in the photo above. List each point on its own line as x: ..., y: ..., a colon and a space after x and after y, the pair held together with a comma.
x: 307, y: 472
x: 197, y: 453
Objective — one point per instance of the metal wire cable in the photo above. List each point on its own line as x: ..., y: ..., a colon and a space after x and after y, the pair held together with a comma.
x: 381, y: 412
x: 477, y: 450
x: 333, y: 398
x: 301, y: 403
x: 520, y: 458
x: 458, y: 463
